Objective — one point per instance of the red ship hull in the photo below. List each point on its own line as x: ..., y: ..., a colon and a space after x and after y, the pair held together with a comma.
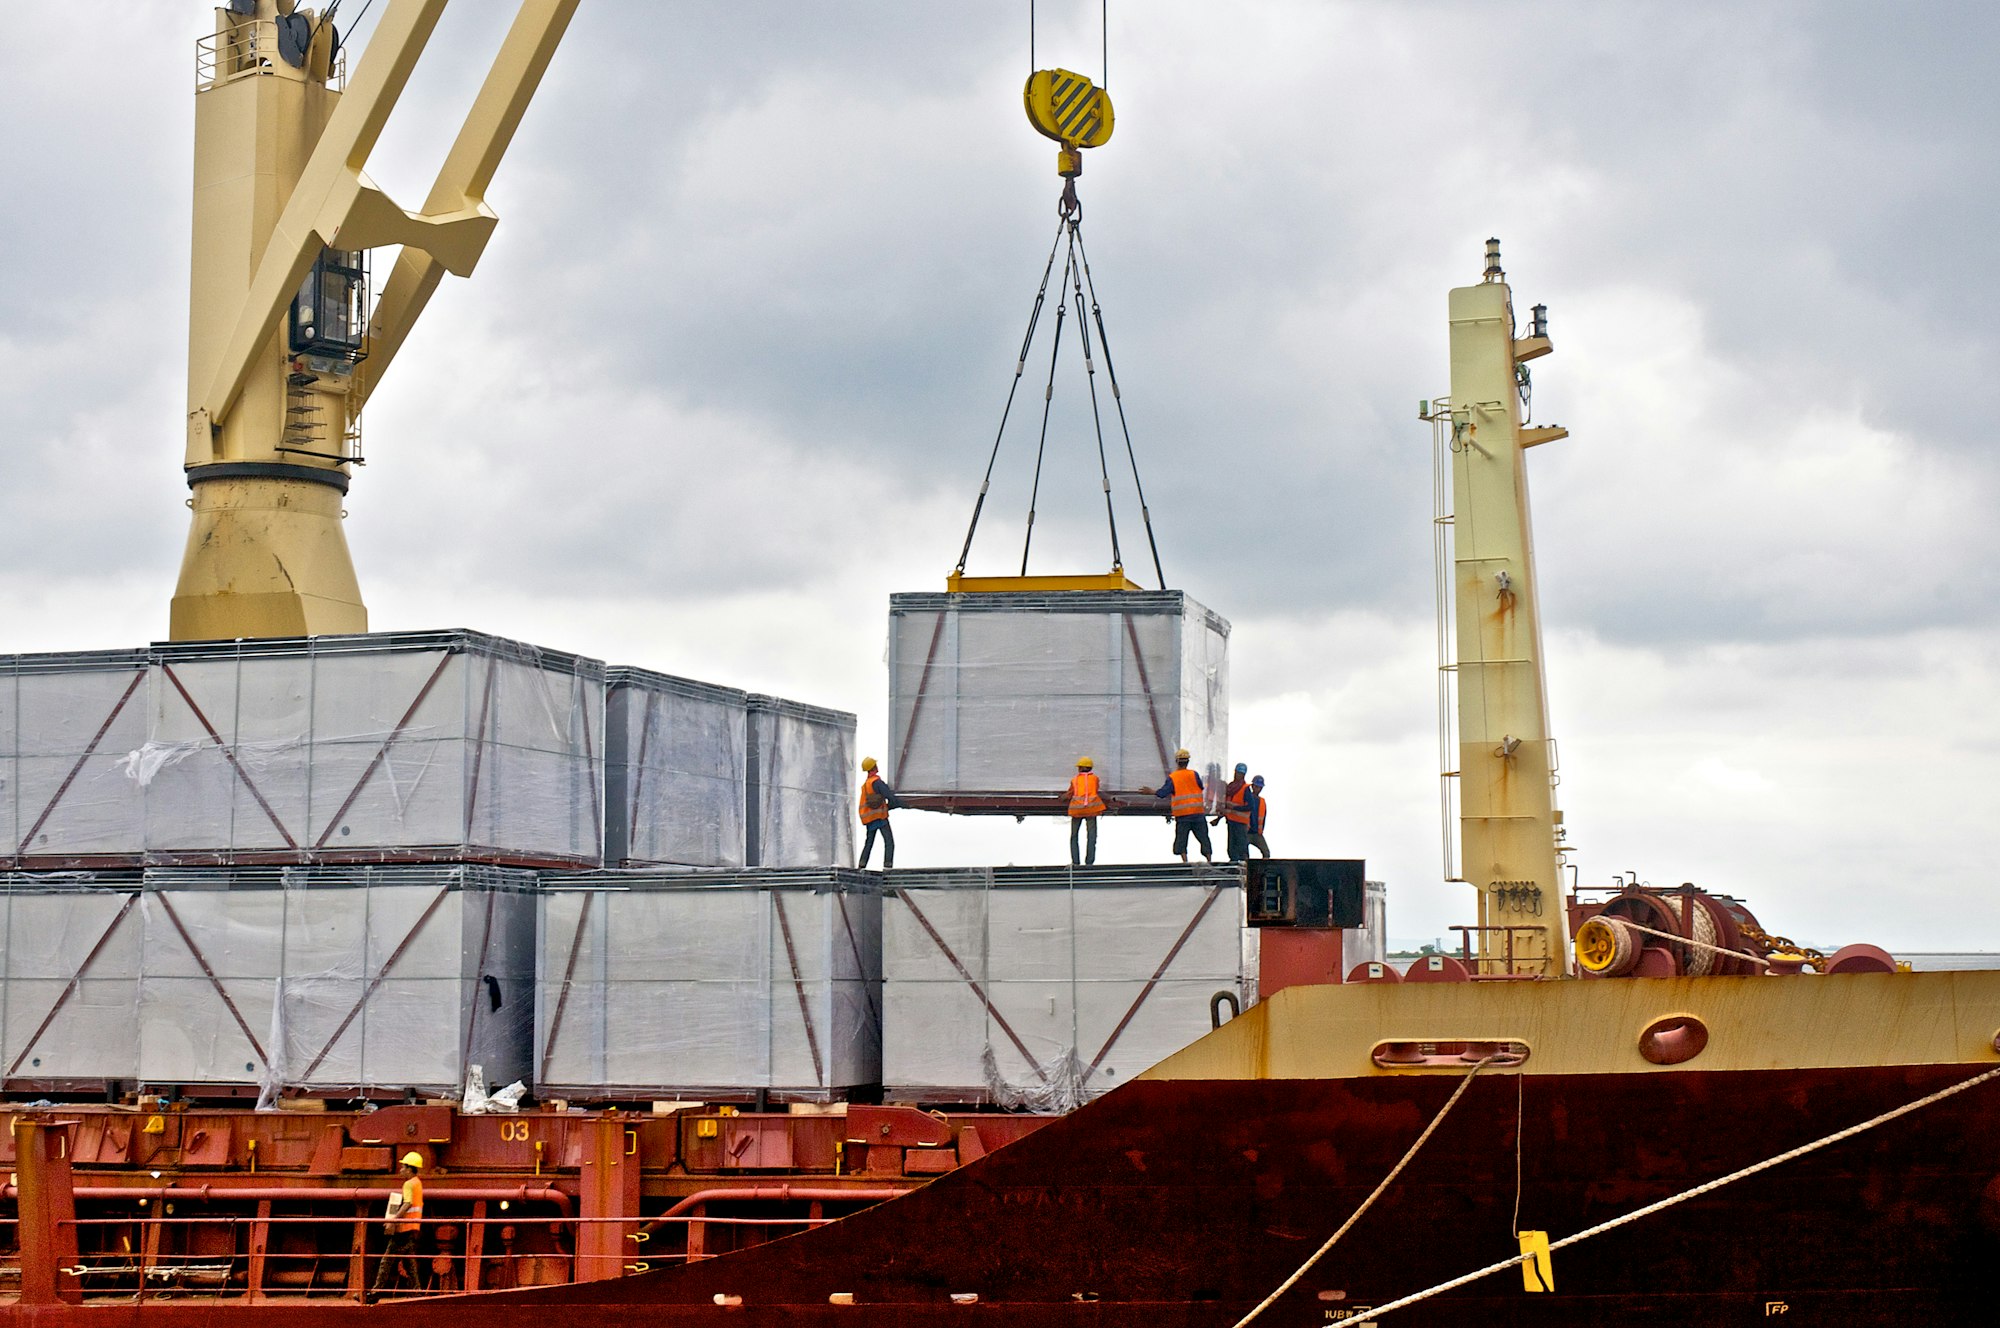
x: 1184, y: 1201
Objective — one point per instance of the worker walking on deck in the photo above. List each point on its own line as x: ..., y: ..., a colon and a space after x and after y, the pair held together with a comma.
x: 876, y: 799
x: 403, y: 1216
x: 1236, y: 810
x: 1086, y: 804
x: 1183, y: 787
x: 1259, y: 808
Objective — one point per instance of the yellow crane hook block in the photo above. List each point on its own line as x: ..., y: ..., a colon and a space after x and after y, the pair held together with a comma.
x: 1070, y: 109
x: 1536, y: 1272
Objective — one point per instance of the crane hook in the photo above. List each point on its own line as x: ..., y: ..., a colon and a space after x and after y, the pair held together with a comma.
x: 1069, y: 207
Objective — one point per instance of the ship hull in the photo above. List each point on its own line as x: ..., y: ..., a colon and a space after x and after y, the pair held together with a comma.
x: 1187, y: 1196
x: 1188, y: 1202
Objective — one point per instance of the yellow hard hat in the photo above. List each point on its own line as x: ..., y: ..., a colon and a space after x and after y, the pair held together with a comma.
x: 413, y: 1159
x: 1083, y: 763
x: 867, y: 763
x: 1181, y: 755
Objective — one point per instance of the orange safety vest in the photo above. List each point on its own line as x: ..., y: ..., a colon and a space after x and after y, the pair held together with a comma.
x: 1083, y: 799
x: 1187, y: 792
x: 408, y: 1217
x: 879, y: 809
x: 1236, y: 802
x: 1263, y: 814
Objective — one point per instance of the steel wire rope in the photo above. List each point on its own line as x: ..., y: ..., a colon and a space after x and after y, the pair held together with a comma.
x: 1096, y: 417
x: 1118, y: 399
x: 1373, y: 1195
x: 1048, y: 401
x: 1695, y: 1193
x: 1020, y: 365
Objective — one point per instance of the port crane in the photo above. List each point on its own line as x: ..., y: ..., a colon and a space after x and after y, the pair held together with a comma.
x: 284, y: 344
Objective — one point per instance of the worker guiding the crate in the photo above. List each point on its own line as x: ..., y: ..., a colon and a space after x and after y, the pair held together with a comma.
x: 1086, y: 804
x: 1236, y: 811
x: 1256, y: 808
x: 404, y: 1217
x: 1186, y: 805
x: 876, y: 799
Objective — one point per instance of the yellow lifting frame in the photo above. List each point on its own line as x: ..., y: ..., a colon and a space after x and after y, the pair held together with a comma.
x: 958, y: 583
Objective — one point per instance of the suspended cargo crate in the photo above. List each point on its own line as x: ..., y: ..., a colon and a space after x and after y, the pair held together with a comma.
x: 801, y: 784
x: 707, y: 984
x: 675, y: 771
x: 336, y: 979
x: 67, y: 725
x: 69, y: 980
x: 1044, y: 987
x: 994, y: 696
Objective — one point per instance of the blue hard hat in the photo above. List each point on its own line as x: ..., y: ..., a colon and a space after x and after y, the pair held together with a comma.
x: 1258, y: 782
x: 1242, y: 769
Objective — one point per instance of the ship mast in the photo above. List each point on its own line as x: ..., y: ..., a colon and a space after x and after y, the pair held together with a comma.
x: 1510, y: 835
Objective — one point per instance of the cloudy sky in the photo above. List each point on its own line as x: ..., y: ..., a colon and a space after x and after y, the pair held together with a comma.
x: 727, y: 377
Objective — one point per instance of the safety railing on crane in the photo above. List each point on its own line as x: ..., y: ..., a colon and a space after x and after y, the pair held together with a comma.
x: 250, y: 48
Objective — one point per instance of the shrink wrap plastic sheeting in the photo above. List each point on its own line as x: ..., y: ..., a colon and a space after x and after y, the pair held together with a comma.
x: 675, y: 767
x: 67, y: 723
x: 69, y: 978
x: 336, y: 979
x: 1042, y: 987
x: 1369, y: 943
x: 801, y: 784
x: 692, y: 984
x: 435, y: 745
x: 1000, y: 693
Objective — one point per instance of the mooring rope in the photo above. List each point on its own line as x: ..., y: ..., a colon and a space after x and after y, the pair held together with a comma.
x: 1663, y: 1204
x: 1394, y: 1172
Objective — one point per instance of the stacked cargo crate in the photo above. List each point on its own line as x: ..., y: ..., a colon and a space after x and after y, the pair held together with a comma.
x: 311, y: 865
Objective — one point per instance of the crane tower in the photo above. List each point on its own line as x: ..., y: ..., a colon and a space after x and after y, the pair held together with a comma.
x: 285, y: 343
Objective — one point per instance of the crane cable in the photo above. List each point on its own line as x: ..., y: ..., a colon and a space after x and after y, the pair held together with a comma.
x: 1103, y: 32
x: 1118, y: 399
x: 1020, y: 366
x: 1076, y: 276
x: 1096, y: 418
x: 1706, y: 1187
x: 1048, y: 402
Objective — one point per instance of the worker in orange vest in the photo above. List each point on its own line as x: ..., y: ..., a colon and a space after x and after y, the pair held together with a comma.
x: 1259, y: 808
x: 1183, y: 787
x: 876, y: 799
x: 1085, y: 806
x: 403, y: 1217
x: 1236, y: 810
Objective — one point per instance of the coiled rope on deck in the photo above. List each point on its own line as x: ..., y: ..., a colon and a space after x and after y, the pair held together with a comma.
x: 1394, y: 1172
x: 1637, y: 1213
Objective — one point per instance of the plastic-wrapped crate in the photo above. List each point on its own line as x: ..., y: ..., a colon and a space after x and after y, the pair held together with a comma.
x: 993, y: 697
x: 429, y: 746
x: 709, y: 983
x: 674, y: 771
x: 69, y: 962
x: 67, y: 725
x: 1043, y: 987
x: 338, y: 978
x: 801, y: 784
x: 1368, y: 943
